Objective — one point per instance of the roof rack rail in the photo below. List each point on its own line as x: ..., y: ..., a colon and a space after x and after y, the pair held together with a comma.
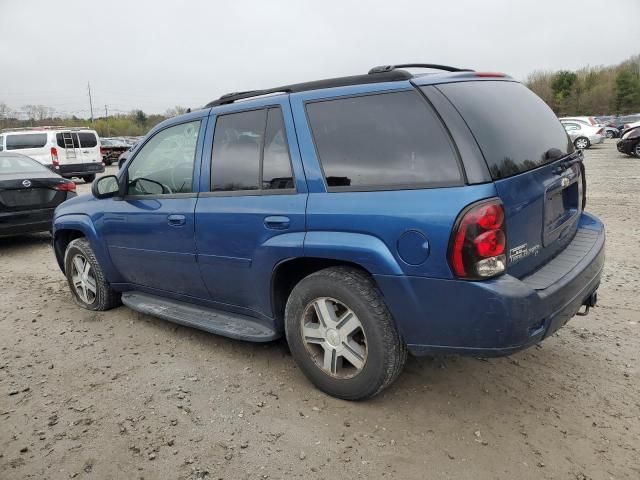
x: 232, y: 97
x: 44, y: 127
x: 434, y: 66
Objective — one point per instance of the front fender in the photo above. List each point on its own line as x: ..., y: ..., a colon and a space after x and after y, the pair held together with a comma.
x: 365, y: 250
x: 82, y: 223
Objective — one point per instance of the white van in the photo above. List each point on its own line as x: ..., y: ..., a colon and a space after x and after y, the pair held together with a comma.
x: 71, y: 152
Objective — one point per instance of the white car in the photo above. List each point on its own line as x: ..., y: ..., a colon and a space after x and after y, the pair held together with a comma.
x: 583, y: 136
x: 70, y: 152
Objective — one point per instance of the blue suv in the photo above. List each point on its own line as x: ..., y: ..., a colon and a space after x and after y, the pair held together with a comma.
x: 362, y: 217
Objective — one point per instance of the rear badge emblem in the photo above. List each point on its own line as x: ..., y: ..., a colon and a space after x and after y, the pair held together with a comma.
x: 522, y: 251
x: 26, y: 183
x: 564, y: 182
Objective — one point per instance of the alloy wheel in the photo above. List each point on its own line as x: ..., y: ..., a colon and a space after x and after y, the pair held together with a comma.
x: 334, y: 337
x: 582, y: 143
x: 84, y: 281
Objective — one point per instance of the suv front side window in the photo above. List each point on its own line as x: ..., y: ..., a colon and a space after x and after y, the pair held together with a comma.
x: 164, y: 165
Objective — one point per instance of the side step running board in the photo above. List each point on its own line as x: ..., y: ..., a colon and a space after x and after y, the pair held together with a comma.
x: 231, y: 325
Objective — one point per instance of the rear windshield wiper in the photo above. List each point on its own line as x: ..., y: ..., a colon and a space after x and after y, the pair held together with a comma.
x: 574, y: 158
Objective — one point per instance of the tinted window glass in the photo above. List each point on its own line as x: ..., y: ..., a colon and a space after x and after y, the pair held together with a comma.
x: 1, y: 143
x: 27, y: 140
x: 71, y: 138
x: 164, y: 165
x: 384, y: 140
x: 87, y: 139
x: 495, y: 112
x: 276, y: 167
x: 237, y: 145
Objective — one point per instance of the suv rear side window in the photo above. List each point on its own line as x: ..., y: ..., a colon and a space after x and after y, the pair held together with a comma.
x: 88, y: 139
x: 382, y: 141
x: 515, y: 129
x: 27, y: 140
x: 250, y: 152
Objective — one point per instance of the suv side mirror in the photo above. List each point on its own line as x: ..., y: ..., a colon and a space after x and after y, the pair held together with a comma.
x: 105, y: 187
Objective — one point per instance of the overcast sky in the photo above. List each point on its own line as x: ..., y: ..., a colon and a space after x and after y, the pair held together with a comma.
x: 156, y: 54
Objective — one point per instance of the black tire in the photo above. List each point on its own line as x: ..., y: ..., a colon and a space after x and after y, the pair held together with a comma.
x: 107, y: 161
x: 89, y: 178
x: 105, y: 297
x: 636, y: 150
x: 386, y: 353
x: 610, y: 134
x: 579, y: 140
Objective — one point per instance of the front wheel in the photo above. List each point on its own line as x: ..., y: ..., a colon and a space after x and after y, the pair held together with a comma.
x: 581, y: 143
x: 341, y: 334
x: 636, y: 150
x: 610, y: 134
x: 86, y: 279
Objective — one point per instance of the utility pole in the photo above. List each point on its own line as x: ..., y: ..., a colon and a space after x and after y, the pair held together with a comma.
x: 90, y: 103
x: 106, y: 119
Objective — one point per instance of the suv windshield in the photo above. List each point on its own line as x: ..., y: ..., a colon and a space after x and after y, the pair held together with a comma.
x: 514, y: 128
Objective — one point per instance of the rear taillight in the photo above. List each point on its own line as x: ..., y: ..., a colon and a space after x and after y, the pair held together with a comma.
x: 600, y: 132
x: 54, y: 157
x: 478, y: 242
x: 66, y: 187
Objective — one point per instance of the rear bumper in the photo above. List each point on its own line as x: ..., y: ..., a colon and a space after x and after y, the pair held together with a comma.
x: 80, y: 169
x: 29, y: 221
x: 495, y: 317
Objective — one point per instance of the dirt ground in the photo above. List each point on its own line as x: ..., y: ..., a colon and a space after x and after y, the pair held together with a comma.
x: 123, y: 395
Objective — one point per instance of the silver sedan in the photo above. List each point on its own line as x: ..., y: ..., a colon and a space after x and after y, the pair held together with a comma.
x: 583, y: 136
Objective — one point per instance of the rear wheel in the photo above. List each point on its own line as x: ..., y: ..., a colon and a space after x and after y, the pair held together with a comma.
x: 636, y: 150
x: 89, y: 178
x: 341, y: 334
x: 86, y: 279
x: 610, y: 134
x: 581, y: 143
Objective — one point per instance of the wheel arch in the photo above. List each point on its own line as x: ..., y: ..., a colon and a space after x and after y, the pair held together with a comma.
x: 69, y: 227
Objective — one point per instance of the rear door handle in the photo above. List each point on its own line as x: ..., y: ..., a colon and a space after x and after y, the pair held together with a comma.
x: 276, y: 222
x: 177, y: 220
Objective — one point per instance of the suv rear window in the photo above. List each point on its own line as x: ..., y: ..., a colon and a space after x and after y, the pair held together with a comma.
x: 88, y: 139
x: 382, y: 141
x: 71, y: 138
x: 27, y: 140
x: 515, y: 129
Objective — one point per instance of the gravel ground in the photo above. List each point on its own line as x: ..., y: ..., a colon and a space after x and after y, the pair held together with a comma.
x: 124, y: 395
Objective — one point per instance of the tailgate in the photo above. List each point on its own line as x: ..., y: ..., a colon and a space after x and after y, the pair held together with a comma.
x: 542, y: 208
x: 535, y: 169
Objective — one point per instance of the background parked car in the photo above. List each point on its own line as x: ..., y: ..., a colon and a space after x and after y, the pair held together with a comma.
x: 610, y: 131
x: 583, y: 136
x: 630, y: 142
x: 71, y: 152
x: 112, y: 148
x: 29, y: 193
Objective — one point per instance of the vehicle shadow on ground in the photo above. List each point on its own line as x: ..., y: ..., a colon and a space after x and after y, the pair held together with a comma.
x: 433, y: 379
x: 24, y: 241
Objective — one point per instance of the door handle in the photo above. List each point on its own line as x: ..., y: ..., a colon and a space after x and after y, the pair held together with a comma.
x: 277, y: 222
x: 86, y: 151
x: 176, y: 220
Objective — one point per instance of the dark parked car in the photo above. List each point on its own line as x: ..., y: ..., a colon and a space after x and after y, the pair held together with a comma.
x: 361, y: 217
x: 29, y: 193
x: 630, y: 142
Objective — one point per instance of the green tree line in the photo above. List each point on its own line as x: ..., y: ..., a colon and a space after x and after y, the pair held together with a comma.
x: 603, y: 90
x: 135, y: 123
